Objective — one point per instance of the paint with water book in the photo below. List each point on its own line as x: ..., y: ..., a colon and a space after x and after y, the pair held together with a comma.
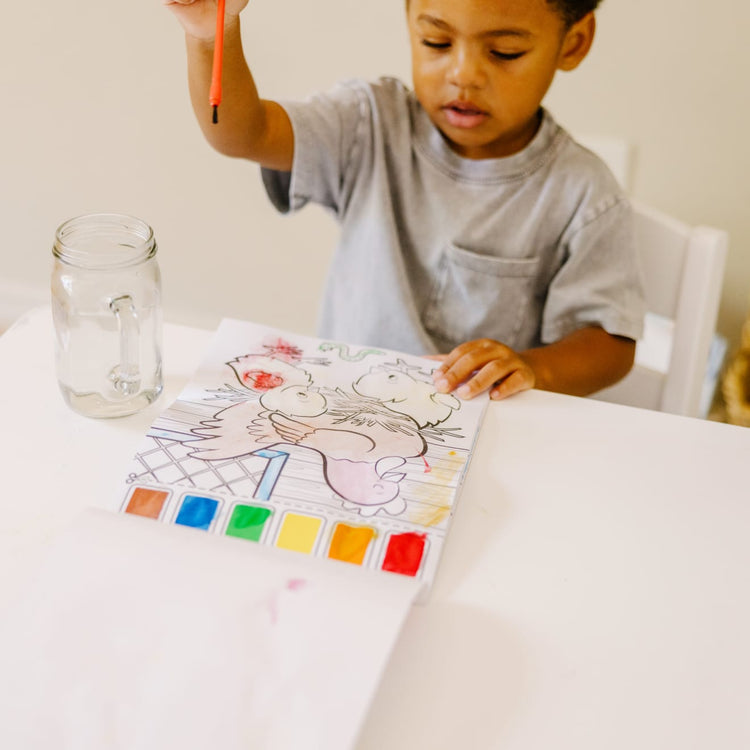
x: 330, y: 450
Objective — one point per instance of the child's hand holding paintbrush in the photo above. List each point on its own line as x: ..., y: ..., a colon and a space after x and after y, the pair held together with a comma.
x: 246, y: 126
x: 204, y: 22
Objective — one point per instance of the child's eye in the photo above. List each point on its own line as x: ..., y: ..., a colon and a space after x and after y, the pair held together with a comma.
x: 506, y: 55
x: 435, y: 45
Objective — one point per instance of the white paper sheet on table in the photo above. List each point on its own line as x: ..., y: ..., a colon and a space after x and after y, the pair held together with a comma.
x: 146, y: 636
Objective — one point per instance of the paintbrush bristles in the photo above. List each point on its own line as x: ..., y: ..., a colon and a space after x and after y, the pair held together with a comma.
x: 215, y: 117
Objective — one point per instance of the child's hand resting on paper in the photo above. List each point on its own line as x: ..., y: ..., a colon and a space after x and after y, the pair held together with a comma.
x: 198, y: 17
x: 474, y: 367
x: 579, y: 364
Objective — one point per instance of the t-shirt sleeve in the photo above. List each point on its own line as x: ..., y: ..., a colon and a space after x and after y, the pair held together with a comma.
x: 331, y: 132
x: 600, y: 281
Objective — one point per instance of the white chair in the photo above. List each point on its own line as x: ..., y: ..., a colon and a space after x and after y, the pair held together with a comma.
x: 683, y: 269
x: 615, y: 152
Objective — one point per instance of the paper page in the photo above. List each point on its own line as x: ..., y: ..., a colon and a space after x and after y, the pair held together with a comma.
x: 329, y: 450
x: 143, y: 636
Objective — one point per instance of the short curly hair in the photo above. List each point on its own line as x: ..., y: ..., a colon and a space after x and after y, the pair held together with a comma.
x: 570, y: 10
x: 573, y: 10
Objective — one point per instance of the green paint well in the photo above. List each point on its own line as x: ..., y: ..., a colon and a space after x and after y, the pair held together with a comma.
x: 247, y: 522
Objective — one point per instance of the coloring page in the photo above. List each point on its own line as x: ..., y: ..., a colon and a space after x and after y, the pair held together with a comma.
x: 316, y: 446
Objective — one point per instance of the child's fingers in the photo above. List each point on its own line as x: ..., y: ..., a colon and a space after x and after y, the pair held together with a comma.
x: 467, y: 358
x: 485, y: 378
x: 479, y: 366
x: 454, y: 370
x: 516, y: 382
x: 456, y: 354
x: 502, y: 377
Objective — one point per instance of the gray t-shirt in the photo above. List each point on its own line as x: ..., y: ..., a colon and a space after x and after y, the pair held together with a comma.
x: 436, y: 249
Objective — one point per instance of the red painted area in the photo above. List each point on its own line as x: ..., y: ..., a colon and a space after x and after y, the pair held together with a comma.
x: 284, y: 350
x: 427, y: 467
x: 262, y: 380
x: 404, y: 553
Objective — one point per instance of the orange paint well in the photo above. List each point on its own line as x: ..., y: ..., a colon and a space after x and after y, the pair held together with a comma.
x: 350, y: 543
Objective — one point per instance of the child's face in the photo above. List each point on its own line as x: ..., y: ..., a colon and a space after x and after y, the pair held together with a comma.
x: 482, y: 67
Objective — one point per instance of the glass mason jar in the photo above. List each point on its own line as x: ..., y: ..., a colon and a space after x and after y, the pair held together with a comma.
x: 106, y: 307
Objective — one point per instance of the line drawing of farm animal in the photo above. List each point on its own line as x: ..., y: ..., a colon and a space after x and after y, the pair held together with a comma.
x: 364, y: 436
x: 407, y: 390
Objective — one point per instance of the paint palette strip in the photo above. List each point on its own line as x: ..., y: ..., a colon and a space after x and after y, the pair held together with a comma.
x: 406, y: 553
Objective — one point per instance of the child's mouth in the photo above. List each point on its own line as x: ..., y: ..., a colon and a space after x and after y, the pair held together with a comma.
x: 464, y: 114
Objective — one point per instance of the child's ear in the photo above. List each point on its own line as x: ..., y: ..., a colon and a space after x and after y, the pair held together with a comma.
x: 577, y: 42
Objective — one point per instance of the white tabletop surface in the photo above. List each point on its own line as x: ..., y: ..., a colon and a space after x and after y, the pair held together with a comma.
x: 593, y: 591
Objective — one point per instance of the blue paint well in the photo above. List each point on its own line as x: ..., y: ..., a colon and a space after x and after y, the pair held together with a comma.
x: 197, y: 512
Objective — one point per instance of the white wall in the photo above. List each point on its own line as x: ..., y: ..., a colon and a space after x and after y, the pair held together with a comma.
x: 95, y: 116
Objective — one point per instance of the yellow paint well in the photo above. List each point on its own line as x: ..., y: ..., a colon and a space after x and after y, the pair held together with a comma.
x: 298, y: 532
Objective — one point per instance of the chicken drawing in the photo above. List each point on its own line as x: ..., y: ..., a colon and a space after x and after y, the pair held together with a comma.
x: 364, y: 435
x: 408, y: 391
x: 362, y: 442
x: 261, y: 373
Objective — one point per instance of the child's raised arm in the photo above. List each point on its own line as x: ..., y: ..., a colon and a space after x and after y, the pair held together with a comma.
x: 248, y: 127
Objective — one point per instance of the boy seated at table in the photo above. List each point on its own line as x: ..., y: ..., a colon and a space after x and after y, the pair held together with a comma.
x: 473, y: 227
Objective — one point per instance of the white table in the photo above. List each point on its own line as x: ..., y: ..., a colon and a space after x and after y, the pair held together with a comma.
x: 594, y: 588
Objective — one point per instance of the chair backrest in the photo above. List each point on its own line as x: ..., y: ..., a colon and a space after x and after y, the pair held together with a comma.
x: 683, y: 269
x: 615, y: 152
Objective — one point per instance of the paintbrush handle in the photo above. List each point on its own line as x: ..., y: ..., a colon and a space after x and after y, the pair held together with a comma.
x: 214, y: 94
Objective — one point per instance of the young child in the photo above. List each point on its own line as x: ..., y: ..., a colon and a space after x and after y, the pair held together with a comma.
x: 472, y: 226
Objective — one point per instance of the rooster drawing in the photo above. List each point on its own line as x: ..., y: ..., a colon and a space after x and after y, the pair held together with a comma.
x: 364, y: 436
x: 409, y: 391
x: 361, y: 442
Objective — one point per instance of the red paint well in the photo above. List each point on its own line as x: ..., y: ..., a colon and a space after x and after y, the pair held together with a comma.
x: 404, y: 553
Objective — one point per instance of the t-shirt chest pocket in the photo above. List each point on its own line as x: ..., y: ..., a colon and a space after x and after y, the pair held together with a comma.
x: 479, y: 296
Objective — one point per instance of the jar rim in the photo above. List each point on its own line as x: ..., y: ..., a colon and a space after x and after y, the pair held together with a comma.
x: 104, y: 241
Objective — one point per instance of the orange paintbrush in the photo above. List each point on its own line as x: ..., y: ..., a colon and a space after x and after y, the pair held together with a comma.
x: 214, y: 94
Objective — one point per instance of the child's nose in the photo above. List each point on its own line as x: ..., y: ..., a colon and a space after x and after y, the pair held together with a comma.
x: 466, y: 70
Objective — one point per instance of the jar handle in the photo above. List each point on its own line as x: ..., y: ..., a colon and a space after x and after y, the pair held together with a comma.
x: 125, y: 376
